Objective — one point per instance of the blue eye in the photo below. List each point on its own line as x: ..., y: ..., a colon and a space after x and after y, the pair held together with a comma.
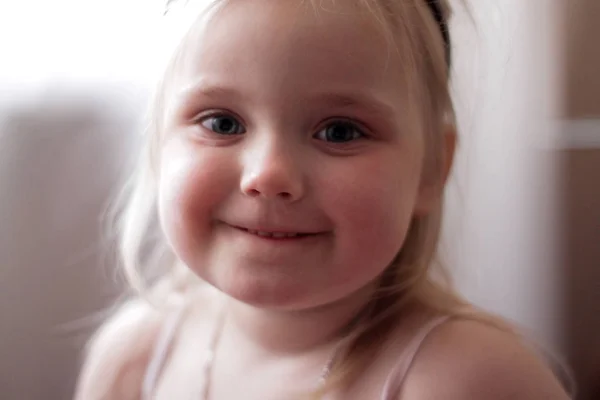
x: 339, y: 132
x: 223, y: 125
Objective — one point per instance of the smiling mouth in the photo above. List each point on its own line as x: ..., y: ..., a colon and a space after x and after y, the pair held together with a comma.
x: 276, y: 235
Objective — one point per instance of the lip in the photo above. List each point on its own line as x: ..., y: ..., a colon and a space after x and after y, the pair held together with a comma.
x: 278, y: 234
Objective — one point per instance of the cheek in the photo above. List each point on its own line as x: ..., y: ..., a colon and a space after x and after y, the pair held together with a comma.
x: 192, y: 184
x: 376, y: 191
x: 372, y: 208
x: 381, y: 209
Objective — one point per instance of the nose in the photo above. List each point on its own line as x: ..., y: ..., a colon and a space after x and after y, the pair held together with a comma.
x: 272, y: 171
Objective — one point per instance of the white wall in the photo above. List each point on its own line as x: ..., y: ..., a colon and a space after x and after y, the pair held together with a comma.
x: 508, y: 92
x: 77, y: 40
x: 72, y: 88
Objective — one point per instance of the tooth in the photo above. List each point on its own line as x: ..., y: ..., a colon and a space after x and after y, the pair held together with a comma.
x: 278, y: 235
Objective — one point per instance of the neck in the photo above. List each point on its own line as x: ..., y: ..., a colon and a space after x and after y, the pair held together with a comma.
x: 284, y: 333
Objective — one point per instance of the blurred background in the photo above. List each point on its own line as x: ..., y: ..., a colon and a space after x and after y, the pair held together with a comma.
x: 522, y: 234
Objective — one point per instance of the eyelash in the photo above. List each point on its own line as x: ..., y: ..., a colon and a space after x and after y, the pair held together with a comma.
x: 204, y: 118
x: 357, y: 130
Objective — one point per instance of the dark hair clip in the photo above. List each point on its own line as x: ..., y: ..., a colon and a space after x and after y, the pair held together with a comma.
x: 436, y: 10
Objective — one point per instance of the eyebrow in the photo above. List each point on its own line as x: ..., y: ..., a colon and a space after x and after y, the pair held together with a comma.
x: 207, y: 89
x: 355, y: 100
x: 340, y: 99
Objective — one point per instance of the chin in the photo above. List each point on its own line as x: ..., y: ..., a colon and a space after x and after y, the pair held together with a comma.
x: 267, y: 295
x: 282, y: 295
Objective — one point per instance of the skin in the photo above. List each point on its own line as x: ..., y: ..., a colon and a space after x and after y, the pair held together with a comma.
x: 276, y: 83
x: 280, y: 171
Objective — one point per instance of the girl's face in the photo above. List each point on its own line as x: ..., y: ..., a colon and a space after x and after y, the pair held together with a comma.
x: 291, y: 165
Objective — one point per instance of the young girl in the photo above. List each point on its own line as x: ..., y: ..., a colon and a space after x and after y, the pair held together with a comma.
x: 296, y: 161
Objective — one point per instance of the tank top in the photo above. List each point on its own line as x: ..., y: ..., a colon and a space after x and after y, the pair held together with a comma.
x: 390, y: 390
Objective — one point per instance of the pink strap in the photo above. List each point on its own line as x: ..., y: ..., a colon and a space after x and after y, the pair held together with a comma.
x: 397, y: 375
x: 161, y: 351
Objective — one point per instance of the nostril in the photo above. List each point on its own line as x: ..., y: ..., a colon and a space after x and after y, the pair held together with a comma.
x: 281, y: 195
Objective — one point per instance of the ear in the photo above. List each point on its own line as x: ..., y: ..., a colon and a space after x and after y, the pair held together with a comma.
x: 434, y: 179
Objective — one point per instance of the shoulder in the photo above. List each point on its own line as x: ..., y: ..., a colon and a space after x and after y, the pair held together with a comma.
x: 469, y: 359
x: 118, y: 353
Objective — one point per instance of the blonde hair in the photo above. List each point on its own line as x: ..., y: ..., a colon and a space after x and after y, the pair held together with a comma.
x: 411, y: 278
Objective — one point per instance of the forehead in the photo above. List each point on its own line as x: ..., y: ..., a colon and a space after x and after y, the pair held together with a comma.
x: 268, y: 47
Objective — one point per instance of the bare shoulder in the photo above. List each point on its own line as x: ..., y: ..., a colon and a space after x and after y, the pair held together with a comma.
x: 118, y: 353
x: 468, y: 359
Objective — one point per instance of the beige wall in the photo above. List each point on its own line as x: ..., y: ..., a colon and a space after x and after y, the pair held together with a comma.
x: 582, y: 58
x: 581, y: 191
x: 581, y: 175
